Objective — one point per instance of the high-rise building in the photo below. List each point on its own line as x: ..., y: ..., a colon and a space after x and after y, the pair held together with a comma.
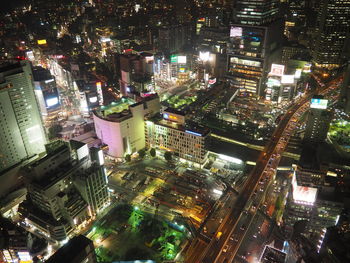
x: 252, y: 50
x: 171, y: 39
x: 256, y: 12
x: 79, y: 249
x: 21, y: 129
x: 318, y: 120
x: 255, y: 37
x: 314, y: 199
x: 332, y: 30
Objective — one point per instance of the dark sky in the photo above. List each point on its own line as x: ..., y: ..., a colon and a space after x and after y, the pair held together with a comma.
x: 11, y: 4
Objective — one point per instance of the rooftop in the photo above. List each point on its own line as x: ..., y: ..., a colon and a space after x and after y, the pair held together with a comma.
x: 69, y: 251
x: 116, y: 110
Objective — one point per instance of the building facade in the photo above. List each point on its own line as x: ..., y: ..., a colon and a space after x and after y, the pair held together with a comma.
x: 66, y: 189
x: 21, y: 127
x: 120, y: 125
x: 170, y: 133
x: 332, y: 32
x: 318, y: 120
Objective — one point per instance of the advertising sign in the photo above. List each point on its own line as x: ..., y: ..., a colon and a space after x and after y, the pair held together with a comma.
x: 277, y: 70
x: 319, y: 104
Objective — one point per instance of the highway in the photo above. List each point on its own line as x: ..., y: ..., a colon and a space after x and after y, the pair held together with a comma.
x: 224, y: 245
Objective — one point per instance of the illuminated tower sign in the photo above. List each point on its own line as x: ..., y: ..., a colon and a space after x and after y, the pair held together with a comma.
x: 99, y: 92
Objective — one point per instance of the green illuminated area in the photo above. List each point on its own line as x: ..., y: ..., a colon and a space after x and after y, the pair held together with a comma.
x: 339, y: 131
x: 117, y: 106
x: 177, y: 101
x: 128, y: 233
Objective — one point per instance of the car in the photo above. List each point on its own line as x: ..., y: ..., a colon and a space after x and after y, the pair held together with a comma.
x: 225, y: 248
x: 242, y: 227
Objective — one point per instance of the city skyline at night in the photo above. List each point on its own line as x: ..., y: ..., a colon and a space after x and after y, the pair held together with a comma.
x: 190, y: 131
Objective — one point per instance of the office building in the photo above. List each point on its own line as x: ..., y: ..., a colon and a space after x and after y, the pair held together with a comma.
x: 171, y: 133
x: 255, y: 39
x: 21, y: 129
x: 332, y: 31
x: 47, y: 95
x: 314, y: 199
x: 318, y: 120
x: 79, y: 249
x: 93, y: 183
x: 251, y: 52
x: 171, y: 39
x: 256, y: 12
x: 120, y: 125
x: 135, y: 72
x: 65, y: 190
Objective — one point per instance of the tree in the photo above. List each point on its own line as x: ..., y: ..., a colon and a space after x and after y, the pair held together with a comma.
x: 54, y: 130
x: 168, y: 156
x: 128, y: 157
x: 142, y: 153
x: 152, y: 152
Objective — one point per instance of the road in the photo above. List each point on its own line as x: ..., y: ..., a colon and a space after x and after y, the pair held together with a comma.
x: 223, y: 248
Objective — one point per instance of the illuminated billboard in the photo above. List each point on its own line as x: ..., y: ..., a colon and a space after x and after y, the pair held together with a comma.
x: 51, y: 102
x: 99, y: 92
x: 181, y: 59
x: 204, y: 56
x: 173, y: 58
x: 287, y: 79
x: 93, y: 99
x: 277, y: 70
x: 212, y: 81
x: 273, y: 82
x: 236, y: 31
x: 42, y: 42
x: 30, y: 55
x: 297, y: 74
x: 303, y: 194
x: 319, y: 104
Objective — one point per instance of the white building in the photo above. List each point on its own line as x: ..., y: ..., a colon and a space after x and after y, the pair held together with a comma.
x: 120, y: 125
x: 21, y: 129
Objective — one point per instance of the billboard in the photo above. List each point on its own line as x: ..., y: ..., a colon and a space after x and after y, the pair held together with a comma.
x: 319, y: 104
x: 273, y: 82
x: 204, y: 55
x: 277, y: 70
x: 236, y: 31
x: 173, y: 58
x: 181, y: 59
x: 51, y: 102
x: 297, y: 74
x: 303, y: 194
x: 287, y: 79
x: 99, y: 92
x: 42, y: 42
x: 93, y: 99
